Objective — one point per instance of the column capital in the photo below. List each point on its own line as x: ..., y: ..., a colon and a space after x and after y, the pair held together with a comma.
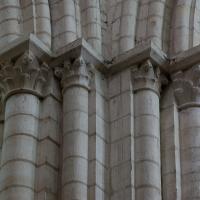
x: 24, y: 74
x: 75, y: 73
x: 186, y: 86
x: 146, y: 76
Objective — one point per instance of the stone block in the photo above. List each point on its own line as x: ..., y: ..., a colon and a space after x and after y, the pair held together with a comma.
x: 189, y: 117
x: 146, y: 103
x: 147, y: 148
x: 115, y: 85
x: 20, y: 147
x: 101, y: 84
x: 121, y: 128
x: 102, y: 107
x: 98, y: 150
x: 75, y: 144
x: 168, y: 161
x: 47, y: 179
x: 49, y: 128
x: 75, y: 191
x: 98, y: 175
x: 126, y: 82
x: 98, y: 126
x: 147, y: 125
x: 147, y: 174
x: 75, y: 99
x: 126, y: 193
x: 147, y: 193
x: 120, y: 106
x: 75, y: 121
x: 21, y: 193
x: 23, y: 174
x: 120, y: 151
x: 121, y: 176
x: 21, y: 124
x: 46, y: 194
x: 50, y: 108
x: 23, y: 104
x: 48, y: 152
x: 75, y: 171
x: 97, y: 193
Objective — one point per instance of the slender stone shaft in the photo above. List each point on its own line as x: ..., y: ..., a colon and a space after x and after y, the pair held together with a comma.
x: 19, y: 149
x: 187, y: 93
x: 190, y: 149
x: 147, y: 134
x: 75, y: 132
x: 92, y: 24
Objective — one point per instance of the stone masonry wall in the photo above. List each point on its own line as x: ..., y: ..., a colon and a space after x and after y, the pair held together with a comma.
x: 99, y: 99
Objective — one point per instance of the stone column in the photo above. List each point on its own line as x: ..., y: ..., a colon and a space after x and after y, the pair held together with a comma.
x: 75, y: 83
x: 187, y: 94
x: 147, y: 132
x: 20, y: 85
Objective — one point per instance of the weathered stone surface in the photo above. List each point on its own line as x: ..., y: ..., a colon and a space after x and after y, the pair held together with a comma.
x: 99, y: 100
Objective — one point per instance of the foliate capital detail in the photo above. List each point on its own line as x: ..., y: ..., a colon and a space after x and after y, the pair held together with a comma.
x: 76, y: 73
x: 187, y: 87
x: 146, y: 76
x: 23, y: 74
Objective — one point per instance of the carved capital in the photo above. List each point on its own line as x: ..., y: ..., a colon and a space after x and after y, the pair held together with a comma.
x: 146, y: 76
x: 76, y: 73
x: 25, y: 74
x: 187, y: 87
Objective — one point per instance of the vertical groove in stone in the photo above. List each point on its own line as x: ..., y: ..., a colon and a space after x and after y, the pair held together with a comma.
x: 92, y: 144
x: 10, y: 20
x: 75, y: 143
x: 17, y: 177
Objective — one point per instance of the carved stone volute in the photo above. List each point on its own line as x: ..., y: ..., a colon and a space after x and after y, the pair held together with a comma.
x: 146, y: 76
x: 187, y: 87
x: 23, y: 75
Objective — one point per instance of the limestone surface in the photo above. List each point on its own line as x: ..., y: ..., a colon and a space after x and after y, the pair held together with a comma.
x: 99, y: 100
